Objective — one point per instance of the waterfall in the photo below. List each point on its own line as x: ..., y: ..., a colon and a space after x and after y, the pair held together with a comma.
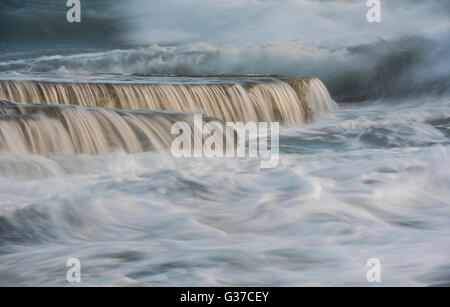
x: 288, y: 101
x: 68, y: 130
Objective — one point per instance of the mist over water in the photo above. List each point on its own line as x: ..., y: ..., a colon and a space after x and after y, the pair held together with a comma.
x: 367, y: 179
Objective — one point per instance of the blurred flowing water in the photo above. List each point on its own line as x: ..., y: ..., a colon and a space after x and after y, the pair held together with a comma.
x: 370, y: 180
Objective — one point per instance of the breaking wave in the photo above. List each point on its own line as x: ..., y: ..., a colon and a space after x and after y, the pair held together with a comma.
x: 387, y: 68
x: 309, y: 38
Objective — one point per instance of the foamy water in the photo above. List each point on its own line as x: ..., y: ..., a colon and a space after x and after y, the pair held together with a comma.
x: 368, y: 181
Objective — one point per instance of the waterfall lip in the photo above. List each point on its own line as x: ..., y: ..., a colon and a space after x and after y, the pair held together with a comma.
x: 110, y: 78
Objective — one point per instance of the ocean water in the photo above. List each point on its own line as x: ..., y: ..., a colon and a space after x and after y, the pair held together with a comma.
x: 368, y: 180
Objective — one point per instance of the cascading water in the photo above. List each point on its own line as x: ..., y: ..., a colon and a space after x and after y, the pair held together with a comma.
x: 69, y: 130
x: 290, y: 101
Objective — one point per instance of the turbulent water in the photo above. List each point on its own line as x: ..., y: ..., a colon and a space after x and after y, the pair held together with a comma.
x: 85, y: 169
